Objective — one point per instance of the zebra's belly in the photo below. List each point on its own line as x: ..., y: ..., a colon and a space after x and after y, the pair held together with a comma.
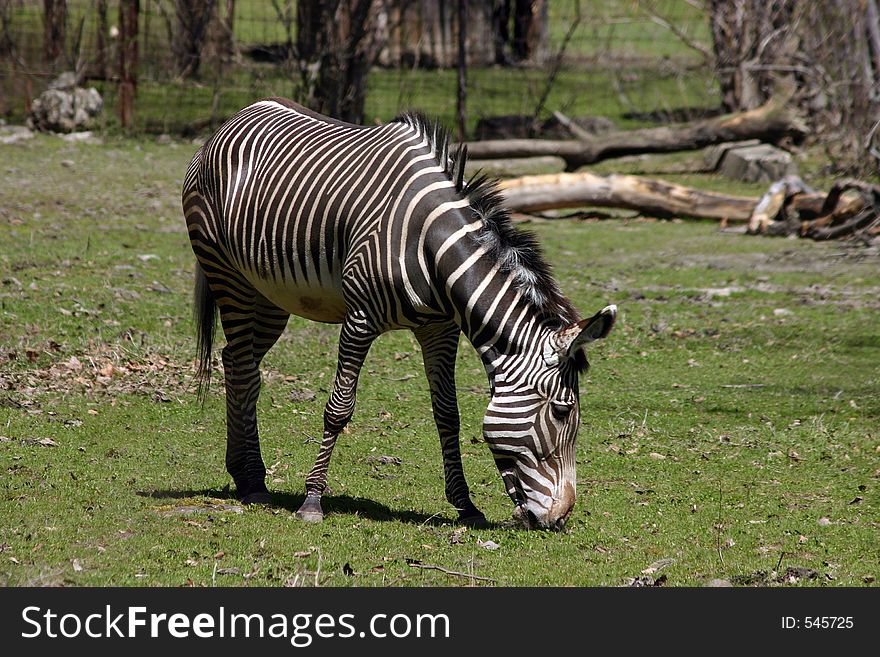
x: 316, y: 302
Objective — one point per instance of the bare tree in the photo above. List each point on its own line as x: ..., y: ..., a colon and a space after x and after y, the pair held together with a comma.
x: 337, y: 44
x: 748, y: 37
x: 821, y: 50
x: 102, y: 38
x: 7, y: 34
x: 187, y: 25
x: 54, y: 29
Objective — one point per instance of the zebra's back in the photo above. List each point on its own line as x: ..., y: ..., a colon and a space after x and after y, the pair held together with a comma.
x: 290, y: 200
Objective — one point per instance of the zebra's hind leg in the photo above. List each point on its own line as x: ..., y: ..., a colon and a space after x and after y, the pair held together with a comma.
x: 355, y: 339
x: 439, y: 344
x: 251, y: 325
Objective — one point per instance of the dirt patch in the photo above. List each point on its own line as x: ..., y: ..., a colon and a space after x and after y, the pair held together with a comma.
x: 820, y: 259
x: 204, y: 508
x: 103, y: 370
x: 811, y: 295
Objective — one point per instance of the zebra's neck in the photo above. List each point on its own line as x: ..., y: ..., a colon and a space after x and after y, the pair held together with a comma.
x: 494, y: 308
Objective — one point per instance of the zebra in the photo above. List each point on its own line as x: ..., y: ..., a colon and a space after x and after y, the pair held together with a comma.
x: 375, y: 228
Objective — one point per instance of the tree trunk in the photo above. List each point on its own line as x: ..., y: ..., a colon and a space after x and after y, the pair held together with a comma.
x: 530, y: 31
x: 770, y: 122
x: 337, y: 45
x: 424, y: 33
x: 462, y: 70
x: 192, y: 20
x: 226, y: 30
x: 128, y: 59
x: 102, y: 36
x: 501, y: 38
x: 752, y: 43
x: 54, y: 30
x: 652, y: 197
x: 789, y: 207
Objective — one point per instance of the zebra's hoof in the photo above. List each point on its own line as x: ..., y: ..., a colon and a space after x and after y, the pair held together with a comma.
x: 311, y: 511
x: 473, y: 518
x: 257, y: 497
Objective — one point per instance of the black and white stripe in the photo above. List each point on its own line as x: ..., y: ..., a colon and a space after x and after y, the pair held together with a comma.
x: 374, y: 228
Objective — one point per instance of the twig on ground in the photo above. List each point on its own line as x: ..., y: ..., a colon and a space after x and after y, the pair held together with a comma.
x: 428, y: 566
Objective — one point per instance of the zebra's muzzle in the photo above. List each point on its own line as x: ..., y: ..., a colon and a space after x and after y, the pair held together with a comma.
x: 528, y: 520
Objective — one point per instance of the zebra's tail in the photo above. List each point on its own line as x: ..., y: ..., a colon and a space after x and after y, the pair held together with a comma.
x: 205, y: 316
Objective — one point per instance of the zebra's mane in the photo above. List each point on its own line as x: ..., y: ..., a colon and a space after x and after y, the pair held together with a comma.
x: 515, y: 250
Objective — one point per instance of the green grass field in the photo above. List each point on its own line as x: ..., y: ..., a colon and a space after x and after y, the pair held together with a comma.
x: 729, y: 421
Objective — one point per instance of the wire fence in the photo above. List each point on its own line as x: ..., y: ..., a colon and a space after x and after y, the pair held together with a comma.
x: 622, y: 59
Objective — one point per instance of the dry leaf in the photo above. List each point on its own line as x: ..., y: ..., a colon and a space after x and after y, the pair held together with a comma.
x: 456, y: 535
x: 658, y: 565
x: 304, y: 395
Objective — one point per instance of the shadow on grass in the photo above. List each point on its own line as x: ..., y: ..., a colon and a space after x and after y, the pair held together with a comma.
x: 332, y: 504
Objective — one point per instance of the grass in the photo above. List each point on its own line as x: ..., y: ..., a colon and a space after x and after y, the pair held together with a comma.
x: 729, y: 421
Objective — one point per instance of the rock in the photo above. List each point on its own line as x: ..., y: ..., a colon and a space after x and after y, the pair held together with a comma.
x: 85, y: 137
x: 718, y: 583
x: 713, y: 155
x: 757, y: 163
x: 64, y: 107
x: 66, y: 81
x: 14, y: 133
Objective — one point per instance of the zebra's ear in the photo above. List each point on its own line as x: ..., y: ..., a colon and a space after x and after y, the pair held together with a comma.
x: 568, y: 340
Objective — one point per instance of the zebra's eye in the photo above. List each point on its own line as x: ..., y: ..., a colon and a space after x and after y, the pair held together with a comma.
x: 560, y: 410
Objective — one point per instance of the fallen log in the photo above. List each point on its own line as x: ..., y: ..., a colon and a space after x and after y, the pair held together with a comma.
x: 649, y: 196
x: 851, y: 209
x: 772, y: 122
x: 513, y: 167
x: 841, y: 216
x: 770, y: 205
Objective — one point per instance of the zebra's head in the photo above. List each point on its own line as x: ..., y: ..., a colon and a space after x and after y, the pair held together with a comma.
x: 532, y: 421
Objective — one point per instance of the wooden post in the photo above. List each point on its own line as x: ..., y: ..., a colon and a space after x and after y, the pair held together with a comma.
x: 462, y: 69
x: 128, y: 59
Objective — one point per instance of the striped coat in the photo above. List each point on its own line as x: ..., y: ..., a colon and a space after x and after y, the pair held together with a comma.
x: 374, y: 228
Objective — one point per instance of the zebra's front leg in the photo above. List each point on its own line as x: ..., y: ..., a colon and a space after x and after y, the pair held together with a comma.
x: 355, y: 339
x: 439, y: 344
